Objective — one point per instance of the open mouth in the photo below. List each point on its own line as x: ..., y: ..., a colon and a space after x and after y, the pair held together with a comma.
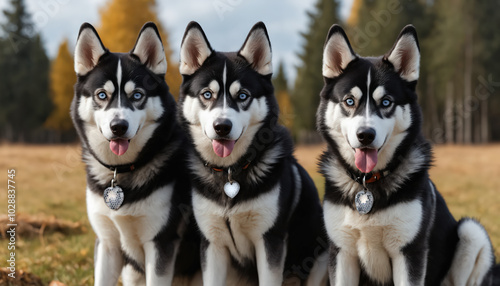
x: 119, y: 146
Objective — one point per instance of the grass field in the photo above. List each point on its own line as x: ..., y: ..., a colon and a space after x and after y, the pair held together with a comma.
x: 50, y: 182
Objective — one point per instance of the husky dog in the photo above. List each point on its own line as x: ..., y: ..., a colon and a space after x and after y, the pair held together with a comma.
x: 138, y: 194
x: 258, y: 210
x: 387, y: 223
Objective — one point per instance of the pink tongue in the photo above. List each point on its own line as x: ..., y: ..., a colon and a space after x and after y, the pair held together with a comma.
x: 118, y: 146
x: 366, y: 159
x: 223, y: 148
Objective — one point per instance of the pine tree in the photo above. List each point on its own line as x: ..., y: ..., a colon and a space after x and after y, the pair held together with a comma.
x: 24, y: 100
x: 62, y: 79
x: 121, y: 21
x: 309, y: 81
x: 282, y: 94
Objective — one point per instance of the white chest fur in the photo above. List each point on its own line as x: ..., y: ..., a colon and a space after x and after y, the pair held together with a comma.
x: 375, y: 239
x: 248, y: 222
x: 133, y: 224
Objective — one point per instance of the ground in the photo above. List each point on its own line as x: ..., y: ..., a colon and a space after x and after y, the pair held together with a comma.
x: 50, y: 182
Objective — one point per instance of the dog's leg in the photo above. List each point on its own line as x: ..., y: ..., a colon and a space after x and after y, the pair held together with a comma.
x: 160, y: 266
x: 473, y: 257
x: 271, y: 253
x: 130, y: 277
x: 344, y: 268
x: 108, y: 264
x: 215, y: 263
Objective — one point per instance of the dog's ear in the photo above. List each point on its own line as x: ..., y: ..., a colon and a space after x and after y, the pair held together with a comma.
x: 257, y: 49
x: 149, y: 49
x: 195, y: 49
x: 88, y: 50
x: 337, y: 52
x: 405, y: 54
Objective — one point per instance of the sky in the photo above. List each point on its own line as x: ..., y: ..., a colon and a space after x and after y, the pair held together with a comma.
x: 225, y: 22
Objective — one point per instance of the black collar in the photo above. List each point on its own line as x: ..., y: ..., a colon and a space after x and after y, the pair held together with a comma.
x: 119, y: 168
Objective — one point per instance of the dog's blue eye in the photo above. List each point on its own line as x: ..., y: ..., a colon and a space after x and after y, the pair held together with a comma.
x: 102, y: 95
x: 207, y: 95
x: 137, y: 96
x: 242, y: 96
x: 386, y: 103
x: 349, y: 102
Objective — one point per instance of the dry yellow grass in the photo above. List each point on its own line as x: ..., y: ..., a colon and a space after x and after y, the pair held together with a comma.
x: 50, y: 181
x: 468, y: 177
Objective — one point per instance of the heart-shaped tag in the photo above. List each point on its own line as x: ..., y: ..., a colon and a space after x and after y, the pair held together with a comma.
x: 113, y: 197
x: 231, y: 189
x: 364, y: 201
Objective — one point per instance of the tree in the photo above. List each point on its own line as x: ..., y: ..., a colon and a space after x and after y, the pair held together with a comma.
x: 309, y: 81
x: 24, y: 100
x: 62, y: 79
x: 282, y: 93
x: 121, y: 21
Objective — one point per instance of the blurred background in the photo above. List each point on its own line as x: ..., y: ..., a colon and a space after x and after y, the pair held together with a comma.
x: 458, y: 89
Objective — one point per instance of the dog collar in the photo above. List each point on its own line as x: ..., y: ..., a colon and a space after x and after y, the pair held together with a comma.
x: 369, y: 177
x: 232, y: 187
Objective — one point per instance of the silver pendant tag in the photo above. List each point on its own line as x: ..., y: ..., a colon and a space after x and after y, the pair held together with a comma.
x: 231, y: 189
x: 113, y: 197
x: 364, y: 201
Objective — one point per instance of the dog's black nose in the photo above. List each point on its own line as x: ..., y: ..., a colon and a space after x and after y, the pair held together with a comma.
x: 366, y: 135
x: 119, y: 127
x: 223, y: 126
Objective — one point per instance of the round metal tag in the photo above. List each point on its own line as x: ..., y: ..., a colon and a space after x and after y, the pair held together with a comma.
x: 364, y: 201
x: 113, y: 197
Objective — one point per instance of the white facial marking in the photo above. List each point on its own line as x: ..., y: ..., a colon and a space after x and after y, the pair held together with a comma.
x: 356, y: 92
x: 119, y: 80
x: 224, y: 78
x: 378, y: 93
x: 129, y: 87
x: 368, y: 81
x: 214, y: 87
x: 109, y: 87
x: 234, y: 88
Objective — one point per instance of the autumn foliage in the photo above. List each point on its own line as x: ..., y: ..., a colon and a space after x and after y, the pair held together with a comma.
x: 62, y: 78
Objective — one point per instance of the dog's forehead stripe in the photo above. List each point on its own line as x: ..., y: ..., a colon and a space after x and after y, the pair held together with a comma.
x: 119, y: 79
x: 224, y: 79
x: 368, y: 82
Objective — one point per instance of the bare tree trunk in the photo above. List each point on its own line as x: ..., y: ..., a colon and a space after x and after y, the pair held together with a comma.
x: 468, y: 88
x: 449, y: 115
x: 485, y: 128
x: 477, y: 126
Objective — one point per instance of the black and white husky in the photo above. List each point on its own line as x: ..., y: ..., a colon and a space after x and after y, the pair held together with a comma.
x: 257, y: 208
x: 138, y: 194
x: 387, y: 223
